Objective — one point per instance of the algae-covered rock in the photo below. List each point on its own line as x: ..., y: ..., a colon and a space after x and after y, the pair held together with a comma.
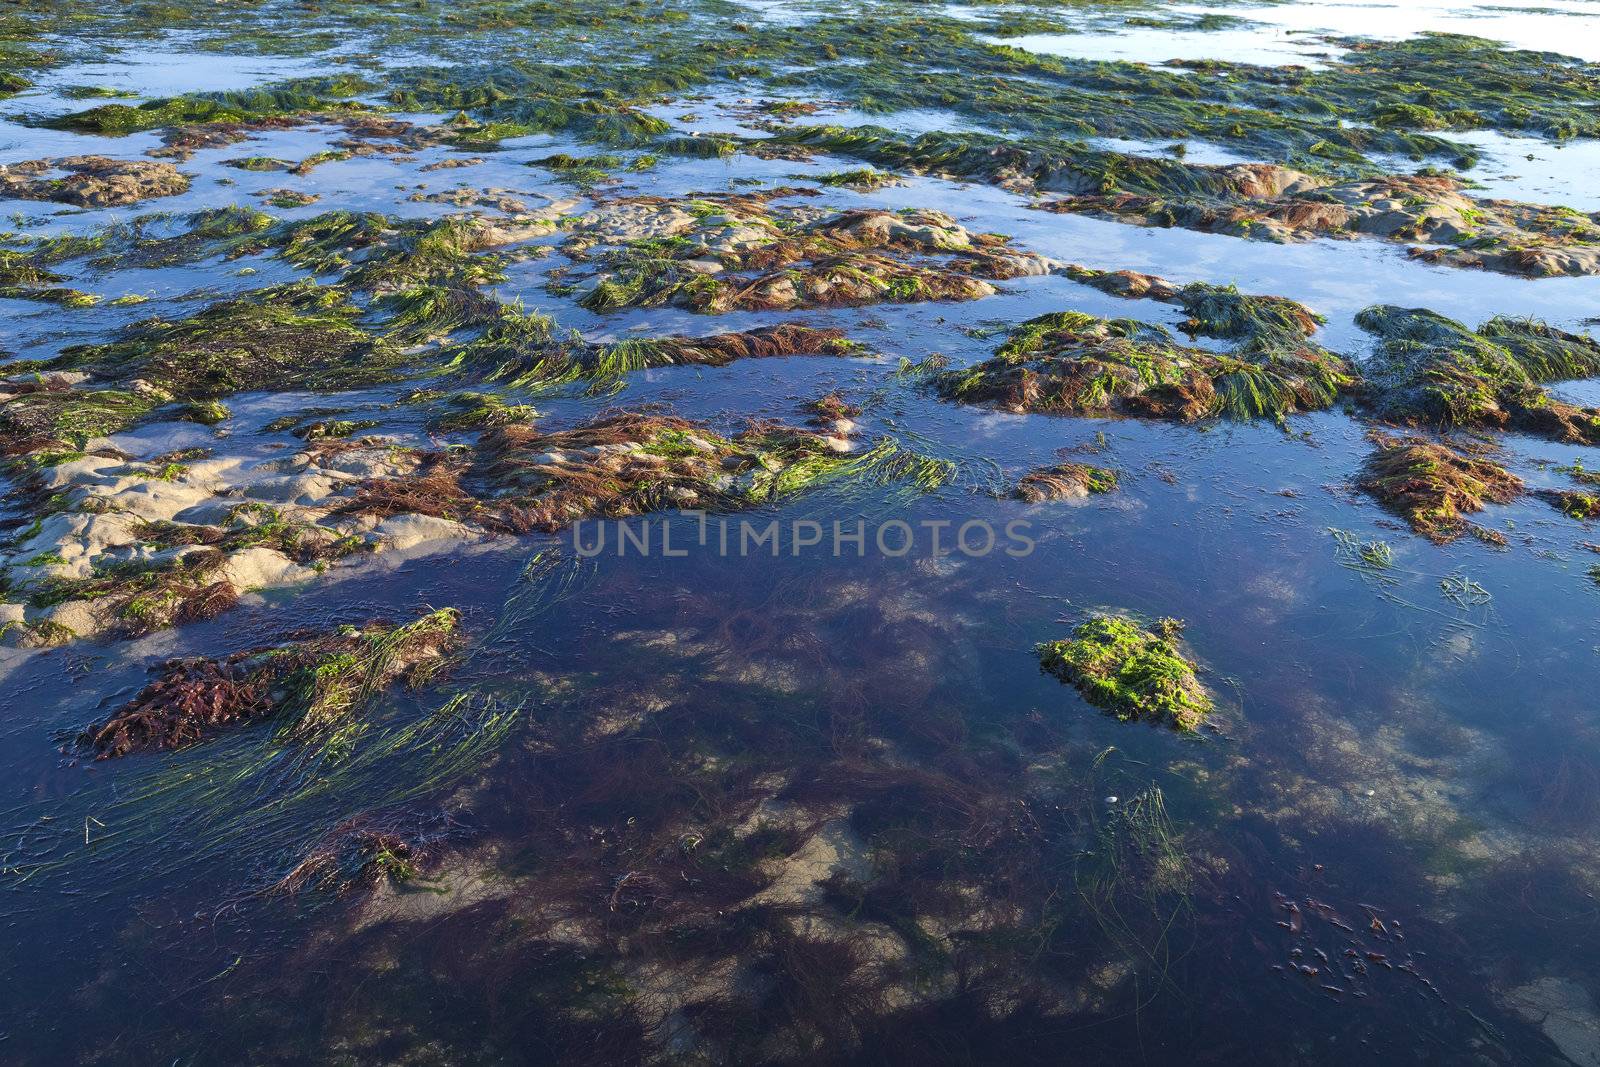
x: 1573, y: 504
x: 1434, y: 486
x: 257, y: 163
x: 1065, y: 481
x: 1429, y: 370
x: 1130, y: 671
x: 748, y: 253
x: 91, y: 181
x: 314, y: 683
x: 1078, y: 364
x: 1431, y: 214
x: 864, y: 179
x: 517, y: 478
x: 615, y: 466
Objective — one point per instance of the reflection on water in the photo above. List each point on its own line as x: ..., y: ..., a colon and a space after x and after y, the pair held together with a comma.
x: 1262, y: 44
x: 1280, y: 34
x: 1534, y: 170
x: 1561, y: 26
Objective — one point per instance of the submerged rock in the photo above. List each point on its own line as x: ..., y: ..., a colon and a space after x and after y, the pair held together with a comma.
x: 1565, y: 1011
x: 369, y: 851
x: 1065, y: 481
x: 319, y: 681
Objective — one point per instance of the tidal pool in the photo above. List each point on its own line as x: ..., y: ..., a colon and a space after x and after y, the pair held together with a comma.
x: 521, y: 556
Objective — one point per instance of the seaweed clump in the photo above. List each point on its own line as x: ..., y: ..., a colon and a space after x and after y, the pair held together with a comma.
x: 622, y: 464
x: 286, y: 99
x: 1575, y: 505
x: 1065, y: 481
x: 1434, y: 486
x: 314, y: 683
x: 524, y: 349
x: 741, y: 255
x: 1429, y: 370
x: 298, y: 336
x: 380, y: 254
x: 369, y: 850
x: 1130, y: 671
x: 862, y: 179
x: 1073, y: 363
x: 24, y: 277
x: 719, y: 350
x: 49, y: 413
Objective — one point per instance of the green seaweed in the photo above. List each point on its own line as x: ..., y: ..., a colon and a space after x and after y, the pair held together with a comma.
x: 1074, y: 363
x: 297, y: 336
x: 1576, y: 505
x: 479, y: 411
x: 1432, y: 371
x: 287, y: 98
x: 1130, y: 671
x: 524, y: 349
x: 51, y: 418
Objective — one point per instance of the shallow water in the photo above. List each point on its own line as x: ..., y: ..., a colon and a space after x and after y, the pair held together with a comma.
x: 1266, y: 45
x: 1526, y: 168
x: 1407, y: 753
x: 1296, y: 33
